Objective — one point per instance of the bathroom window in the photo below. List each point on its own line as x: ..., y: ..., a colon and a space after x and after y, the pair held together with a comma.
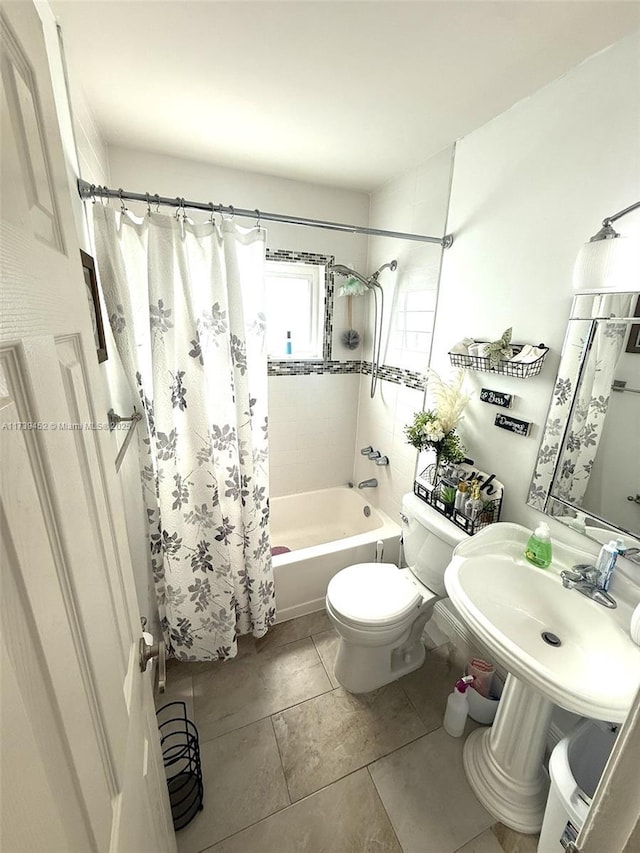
x: 295, y: 305
x: 410, y: 336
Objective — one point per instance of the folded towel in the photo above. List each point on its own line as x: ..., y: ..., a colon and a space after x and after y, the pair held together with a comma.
x: 528, y: 354
x: 461, y: 348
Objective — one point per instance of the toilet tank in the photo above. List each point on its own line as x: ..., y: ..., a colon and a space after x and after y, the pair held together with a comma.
x: 428, y: 541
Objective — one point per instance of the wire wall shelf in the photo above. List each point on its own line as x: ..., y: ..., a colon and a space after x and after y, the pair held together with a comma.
x: 519, y: 369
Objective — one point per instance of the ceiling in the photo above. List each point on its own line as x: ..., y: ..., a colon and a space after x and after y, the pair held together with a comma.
x: 348, y: 94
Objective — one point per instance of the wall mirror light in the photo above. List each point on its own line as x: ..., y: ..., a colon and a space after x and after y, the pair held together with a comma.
x: 588, y: 468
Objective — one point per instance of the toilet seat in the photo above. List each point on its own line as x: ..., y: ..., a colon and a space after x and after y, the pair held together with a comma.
x: 375, y: 595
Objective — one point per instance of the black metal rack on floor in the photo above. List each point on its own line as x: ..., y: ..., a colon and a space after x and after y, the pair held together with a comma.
x: 181, y: 756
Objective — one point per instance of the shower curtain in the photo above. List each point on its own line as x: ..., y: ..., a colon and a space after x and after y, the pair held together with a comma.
x: 592, y: 395
x: 186, y: 305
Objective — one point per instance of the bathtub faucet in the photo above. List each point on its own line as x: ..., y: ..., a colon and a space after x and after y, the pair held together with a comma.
x: 368, y: 484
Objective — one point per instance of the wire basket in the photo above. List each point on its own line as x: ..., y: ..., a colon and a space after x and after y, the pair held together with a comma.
x: 181, y: 757
x: 522, y: 370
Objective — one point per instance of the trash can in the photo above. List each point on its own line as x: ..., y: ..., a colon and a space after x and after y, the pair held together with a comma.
x: 575, y: 768
x: 181, y: 757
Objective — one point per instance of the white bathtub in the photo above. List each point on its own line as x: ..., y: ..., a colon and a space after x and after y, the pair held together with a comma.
x: 326, y: 531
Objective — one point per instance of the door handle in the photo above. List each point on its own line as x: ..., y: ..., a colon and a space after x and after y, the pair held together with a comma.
x: 148, y: 650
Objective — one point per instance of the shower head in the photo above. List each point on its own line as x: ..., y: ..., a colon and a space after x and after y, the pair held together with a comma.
x: 370, y: 282
x: 347, y: 272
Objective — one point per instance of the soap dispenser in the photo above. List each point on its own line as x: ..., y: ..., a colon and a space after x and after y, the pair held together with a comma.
x: 473, y: 506
x: 461, y: 495
x: 455, y: 715
x: 538, y: 550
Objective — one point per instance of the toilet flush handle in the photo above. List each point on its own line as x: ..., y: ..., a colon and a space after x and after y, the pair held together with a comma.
x: 404, y: 517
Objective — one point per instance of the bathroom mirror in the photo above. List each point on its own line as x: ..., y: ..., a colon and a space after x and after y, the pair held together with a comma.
x: 588, y: 469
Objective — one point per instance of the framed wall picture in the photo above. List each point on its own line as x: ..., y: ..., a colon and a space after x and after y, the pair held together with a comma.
x: 633, y: 344
x: 91, y: 284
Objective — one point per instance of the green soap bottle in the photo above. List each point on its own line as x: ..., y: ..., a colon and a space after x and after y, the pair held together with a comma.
x: 538, y: 550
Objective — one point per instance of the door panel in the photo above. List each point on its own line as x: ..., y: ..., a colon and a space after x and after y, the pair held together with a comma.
x: 72, y: 691
x: 40, y: 629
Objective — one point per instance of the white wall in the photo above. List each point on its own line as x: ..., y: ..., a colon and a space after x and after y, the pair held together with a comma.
x: 414, y: 203
x: 312, y: 431
x: 528, y: 189
x: 311, y: 417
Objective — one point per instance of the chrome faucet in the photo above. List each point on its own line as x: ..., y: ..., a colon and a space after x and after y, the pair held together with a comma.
x: 586, y: 579
x: 368, y: 484
x: 632, y: 554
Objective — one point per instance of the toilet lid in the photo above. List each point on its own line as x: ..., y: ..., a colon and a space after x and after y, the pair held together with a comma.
x: 375, y: 594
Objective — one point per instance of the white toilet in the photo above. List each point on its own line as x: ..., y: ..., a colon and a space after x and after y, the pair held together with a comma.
x: 380, y: 611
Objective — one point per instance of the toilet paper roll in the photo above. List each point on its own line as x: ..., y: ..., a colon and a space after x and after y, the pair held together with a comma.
x: 635, y: 625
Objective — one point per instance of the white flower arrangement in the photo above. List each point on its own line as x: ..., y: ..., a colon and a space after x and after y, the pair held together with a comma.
x: 435, y: 428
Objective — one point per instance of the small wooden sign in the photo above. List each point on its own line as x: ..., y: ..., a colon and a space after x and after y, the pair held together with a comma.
x: 513, y: 424
x: 497, y: 398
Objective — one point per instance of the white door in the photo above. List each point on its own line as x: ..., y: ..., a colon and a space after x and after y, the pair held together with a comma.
x: 81, y: 766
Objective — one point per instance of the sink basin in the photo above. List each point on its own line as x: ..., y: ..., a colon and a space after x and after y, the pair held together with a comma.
x: 558, y: 647
x: 510, y: 604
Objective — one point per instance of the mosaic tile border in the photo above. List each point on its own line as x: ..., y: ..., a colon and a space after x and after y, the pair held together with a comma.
x: 292, y: 367
x: 397, y: 375
x: 329, y: 292
x: 306, y: 367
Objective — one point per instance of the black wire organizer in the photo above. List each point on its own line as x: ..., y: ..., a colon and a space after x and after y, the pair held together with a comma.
x: 181, y: 756
x: 519, y: 369
x: 431, y: 494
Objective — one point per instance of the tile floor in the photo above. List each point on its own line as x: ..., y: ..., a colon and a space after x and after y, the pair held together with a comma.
x: 292, y: 763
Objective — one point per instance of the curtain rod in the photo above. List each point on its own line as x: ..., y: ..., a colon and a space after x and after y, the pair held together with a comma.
x: 87, y: 190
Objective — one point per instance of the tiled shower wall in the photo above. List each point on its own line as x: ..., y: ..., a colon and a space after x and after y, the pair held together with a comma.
x: 415, y: 203
x: 312, y: 431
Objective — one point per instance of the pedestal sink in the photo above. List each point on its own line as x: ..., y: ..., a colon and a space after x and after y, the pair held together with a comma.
x: 558, y: 647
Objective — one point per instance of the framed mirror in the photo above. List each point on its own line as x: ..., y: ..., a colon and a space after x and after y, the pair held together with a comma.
x: 588, y: 469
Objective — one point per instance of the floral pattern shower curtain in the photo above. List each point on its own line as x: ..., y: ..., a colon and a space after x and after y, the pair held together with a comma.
x: 185, y: 303
x: 582, y: 398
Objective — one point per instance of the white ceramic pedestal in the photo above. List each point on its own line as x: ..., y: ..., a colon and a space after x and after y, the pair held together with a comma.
x: 504, y: 763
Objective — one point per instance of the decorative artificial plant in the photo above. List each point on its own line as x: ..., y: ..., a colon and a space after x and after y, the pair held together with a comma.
x: 435, y: 428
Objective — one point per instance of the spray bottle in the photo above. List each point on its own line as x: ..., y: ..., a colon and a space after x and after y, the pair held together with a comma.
x: 455, y: 716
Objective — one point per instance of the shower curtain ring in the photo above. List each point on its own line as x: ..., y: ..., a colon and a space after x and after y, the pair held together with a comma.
x: 123, y: 207
x: 146, y: 195
x: 233, y: 213
x: 258, y: 219
x: 211, y: 219
x: 157, y: 201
